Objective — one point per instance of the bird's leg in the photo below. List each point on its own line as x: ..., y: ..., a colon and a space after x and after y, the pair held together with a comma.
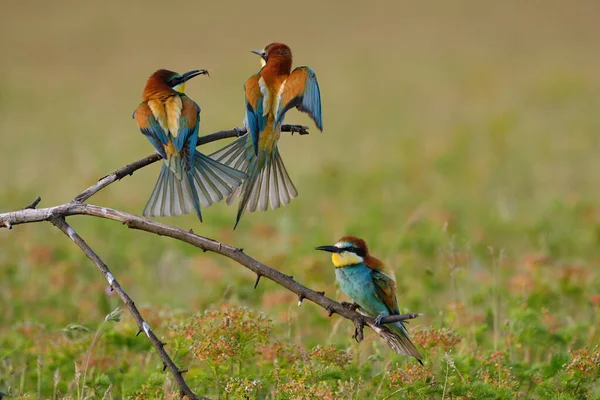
x: 352, y: 306
x: 240, y: 130
x: 301, y: 129
x: 379, y: 318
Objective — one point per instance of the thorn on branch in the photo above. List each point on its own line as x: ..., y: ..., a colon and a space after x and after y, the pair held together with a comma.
x: 300, y: 298
x: 322, y: 293
x: 181, y: 371
x: 8, y: 224
x: 241, y: 250
x: 330, y: 311
x: 33, y: 204
x: 257, y: 280
x: 351, y: 306
x: 164, y: 367
x: 163, y: 344
x: 191, y: 231
x: 138, y: 333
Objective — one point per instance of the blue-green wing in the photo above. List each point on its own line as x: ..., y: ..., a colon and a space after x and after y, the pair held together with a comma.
x: 150, y: 127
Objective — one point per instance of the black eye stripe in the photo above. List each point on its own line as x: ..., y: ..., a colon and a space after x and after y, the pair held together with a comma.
x: 359, y: 252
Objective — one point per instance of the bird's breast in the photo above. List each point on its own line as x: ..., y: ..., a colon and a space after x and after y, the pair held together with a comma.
x: 355, y: 281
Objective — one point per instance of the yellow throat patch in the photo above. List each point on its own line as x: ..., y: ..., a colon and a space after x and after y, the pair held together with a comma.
x: 345, y: 259
x: 180, y: 88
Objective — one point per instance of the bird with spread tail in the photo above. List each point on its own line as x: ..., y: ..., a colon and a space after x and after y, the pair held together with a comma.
x: 363, y: 278
x: 270, y: 93
x: 170, y: 121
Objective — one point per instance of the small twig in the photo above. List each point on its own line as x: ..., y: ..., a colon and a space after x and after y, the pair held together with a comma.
x: 61, y: 224
x: 33, y: 203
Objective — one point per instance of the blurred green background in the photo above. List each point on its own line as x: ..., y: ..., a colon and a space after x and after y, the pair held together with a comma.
x: 460, y: 140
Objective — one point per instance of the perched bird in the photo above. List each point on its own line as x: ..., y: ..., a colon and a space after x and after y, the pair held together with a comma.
x: 170, y: 121
x: 269, y: 95
x: 362, y: 277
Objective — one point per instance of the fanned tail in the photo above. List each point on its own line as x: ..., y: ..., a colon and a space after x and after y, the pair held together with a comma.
x: 397, y: 338
x: 268, y: 181
x: 180, y: 189
x: 213, y: 181
x: 172, y: 195
x: 234, y: 154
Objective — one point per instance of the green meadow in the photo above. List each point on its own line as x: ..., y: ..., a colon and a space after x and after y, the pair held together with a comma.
x: 461, y: 141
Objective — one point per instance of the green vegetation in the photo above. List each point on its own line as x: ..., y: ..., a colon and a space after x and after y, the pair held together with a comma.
x: 461, y: 141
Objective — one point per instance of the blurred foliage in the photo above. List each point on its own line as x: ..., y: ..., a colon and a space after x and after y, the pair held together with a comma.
x: 460, y: 141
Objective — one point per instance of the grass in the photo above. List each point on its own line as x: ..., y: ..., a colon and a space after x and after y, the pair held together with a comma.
x: 460, y: 141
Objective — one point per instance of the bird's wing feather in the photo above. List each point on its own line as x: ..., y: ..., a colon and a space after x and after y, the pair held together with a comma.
x: 385, y: 290
x: 189, y: 122
x: 151, y: 128
x: 302, y: 91
x: 255, y: 120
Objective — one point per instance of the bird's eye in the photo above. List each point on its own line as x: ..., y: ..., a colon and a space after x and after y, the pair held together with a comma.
x: 358, y: 251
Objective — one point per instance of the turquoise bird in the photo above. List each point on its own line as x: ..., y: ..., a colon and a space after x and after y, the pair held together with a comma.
x: 363, y: 278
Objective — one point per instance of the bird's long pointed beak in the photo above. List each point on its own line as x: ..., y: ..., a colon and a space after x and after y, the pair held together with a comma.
x: 331, y: 249
x: 189, y: 75
x: 261, y: 53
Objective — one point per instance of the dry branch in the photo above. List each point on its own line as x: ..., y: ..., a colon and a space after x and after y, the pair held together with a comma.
x: 61, y: 224
x: 206, y: 244
x: 57, y: 214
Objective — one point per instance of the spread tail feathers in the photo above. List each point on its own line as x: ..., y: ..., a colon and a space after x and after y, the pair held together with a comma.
x: 213, y: 181
x: 268, y: 181
x: 180, y: 190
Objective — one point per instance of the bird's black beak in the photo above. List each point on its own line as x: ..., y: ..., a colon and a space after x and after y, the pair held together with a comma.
x: 189, y: 75
x: 261, y: 53
x: 331, y: 249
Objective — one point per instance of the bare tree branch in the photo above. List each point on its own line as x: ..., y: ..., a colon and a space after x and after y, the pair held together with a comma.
x: 61, y: 224
x: 144, y: 224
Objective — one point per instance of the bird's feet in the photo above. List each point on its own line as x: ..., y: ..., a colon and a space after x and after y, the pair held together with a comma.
x: 240, y: 130
x: 379, y: 318
x: 301, y: 129
x: 351, y: 306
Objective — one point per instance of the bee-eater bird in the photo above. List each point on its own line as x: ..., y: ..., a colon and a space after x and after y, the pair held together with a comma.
x: 363, y: 278
x: 170, y: 121
x: 269, y: 95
